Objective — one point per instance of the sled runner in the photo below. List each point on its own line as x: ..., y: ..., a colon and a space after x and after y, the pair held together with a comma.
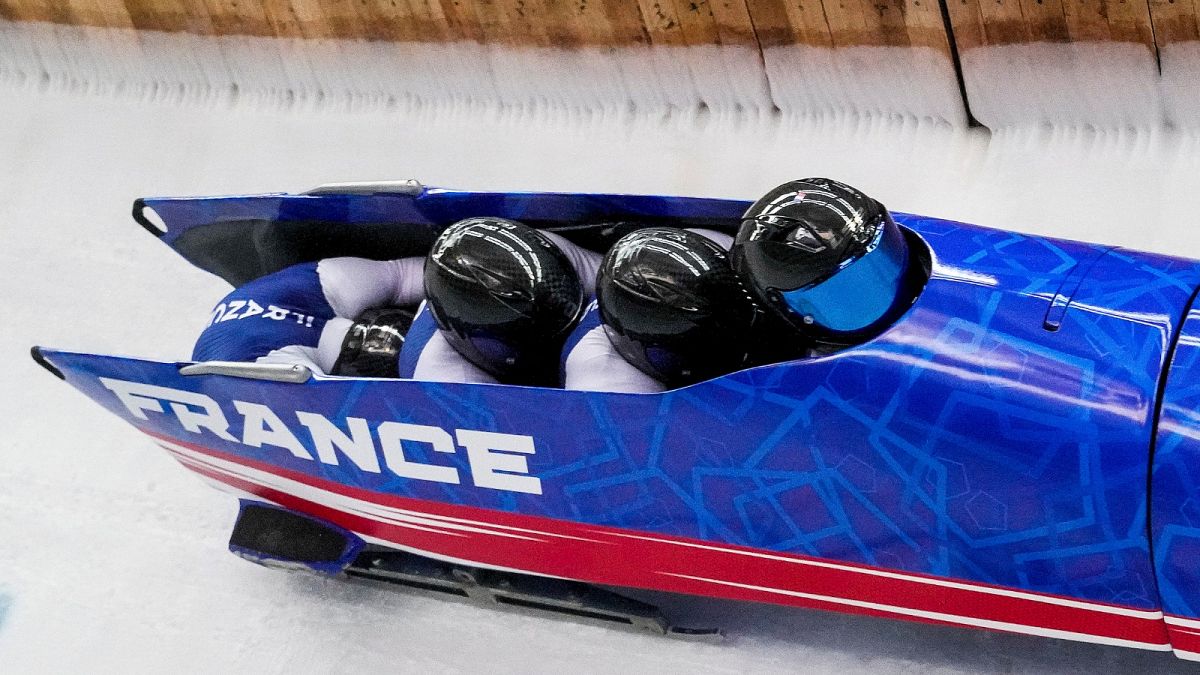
x: 1001, y: 457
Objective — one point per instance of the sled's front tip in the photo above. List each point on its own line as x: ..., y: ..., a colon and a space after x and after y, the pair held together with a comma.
x: 36, y: 352
x: 145, y: 216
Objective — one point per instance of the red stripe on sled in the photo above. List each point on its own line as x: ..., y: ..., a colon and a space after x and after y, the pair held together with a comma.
x: 619, y: 557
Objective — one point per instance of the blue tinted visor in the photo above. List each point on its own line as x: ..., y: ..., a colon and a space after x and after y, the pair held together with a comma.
x: 862, y: 293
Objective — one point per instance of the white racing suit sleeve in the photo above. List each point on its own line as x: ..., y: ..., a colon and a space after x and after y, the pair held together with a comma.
x: 585, y: 262
x: 593, y: 365
x: 719, y: 238
x: 294, y: 355
x: 320, y: 358
x: 352, y: 285
x: 439, y: 362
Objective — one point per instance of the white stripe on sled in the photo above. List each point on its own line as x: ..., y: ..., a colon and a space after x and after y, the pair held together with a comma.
x: 1186, y: 655
x: 314, y: 495
x: 1152, y: 615
x: 1180, y: 621
x: 940, y: 616
x: 226, y: 487
x: 378, y: 512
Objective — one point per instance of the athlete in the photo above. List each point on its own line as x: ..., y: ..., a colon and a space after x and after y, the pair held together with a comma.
x: 341, y: 316
x: 827, y: 260
x: 501, y: 299
x: 669, y: 312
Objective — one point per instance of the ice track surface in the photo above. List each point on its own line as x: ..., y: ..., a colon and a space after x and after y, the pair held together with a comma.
x: 112, y: 557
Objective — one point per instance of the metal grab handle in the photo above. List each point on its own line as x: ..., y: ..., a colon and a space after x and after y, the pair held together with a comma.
x: 409, y: 186
x: 273, y: 372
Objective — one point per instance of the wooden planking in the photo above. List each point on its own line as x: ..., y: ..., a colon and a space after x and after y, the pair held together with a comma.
x: 696, y: 22
x: 925, y: 25
x: 493, y: 25
x: 542, y: 23
x: 1045, y: 20
x: 1000, y: 22
x: 1003, y: 22
x: 79, y: 12
x: 967, y: 21
x: 774, y: 27
x: 662, y: 23
x: 626, y: 21
x: 89, y: 11
x: 848, y: 23
x: 1175, y: 21
x: 577, y: 23
x: 1127, y: 21
x: 860, y: 22
x: 1086, y: 20
x: 227, y: 17
x: 732, y: 18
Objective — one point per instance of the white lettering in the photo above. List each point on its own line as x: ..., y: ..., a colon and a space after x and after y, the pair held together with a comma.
x: 217, y: 313
x: 497, y: 461
x: 127, y: 394
x: 138, y: 398
x: 326, y: 436
x: 234, y: 306
x: 209, y: 417
x: 391, y: 440
x: 493, y: 464
x: 263, y: 427
x: 252, y: 308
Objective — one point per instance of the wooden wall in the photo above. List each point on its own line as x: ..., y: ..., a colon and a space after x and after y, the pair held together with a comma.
x: 999, y: 22
x: 568, y: 23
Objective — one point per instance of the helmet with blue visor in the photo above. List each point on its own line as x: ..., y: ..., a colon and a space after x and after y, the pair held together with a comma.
x: 826, y: 258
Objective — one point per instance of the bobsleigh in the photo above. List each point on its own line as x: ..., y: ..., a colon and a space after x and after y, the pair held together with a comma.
x: 1019, y: 451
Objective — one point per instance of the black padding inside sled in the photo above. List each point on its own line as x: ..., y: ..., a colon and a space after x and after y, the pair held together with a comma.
x: 601, y: 236
x: 284, y: 535
x: 242, y: 250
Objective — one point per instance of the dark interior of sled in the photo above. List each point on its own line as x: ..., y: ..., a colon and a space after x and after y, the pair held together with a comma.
x: 243, y: 238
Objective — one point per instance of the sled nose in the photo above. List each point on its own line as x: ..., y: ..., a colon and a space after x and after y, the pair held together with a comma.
x: 40, y: 358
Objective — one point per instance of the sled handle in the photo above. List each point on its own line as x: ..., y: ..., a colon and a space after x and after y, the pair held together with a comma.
x: 409, y: 186
x: 139, y: 216
x: 273, y: 372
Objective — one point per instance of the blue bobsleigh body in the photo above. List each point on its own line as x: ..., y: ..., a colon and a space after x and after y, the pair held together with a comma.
x: 1018, y: 452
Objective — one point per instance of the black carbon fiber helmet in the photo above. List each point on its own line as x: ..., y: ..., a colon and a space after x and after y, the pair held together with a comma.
x: 673, y: 307
x: 504, y: 296
x: 826, y: 258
